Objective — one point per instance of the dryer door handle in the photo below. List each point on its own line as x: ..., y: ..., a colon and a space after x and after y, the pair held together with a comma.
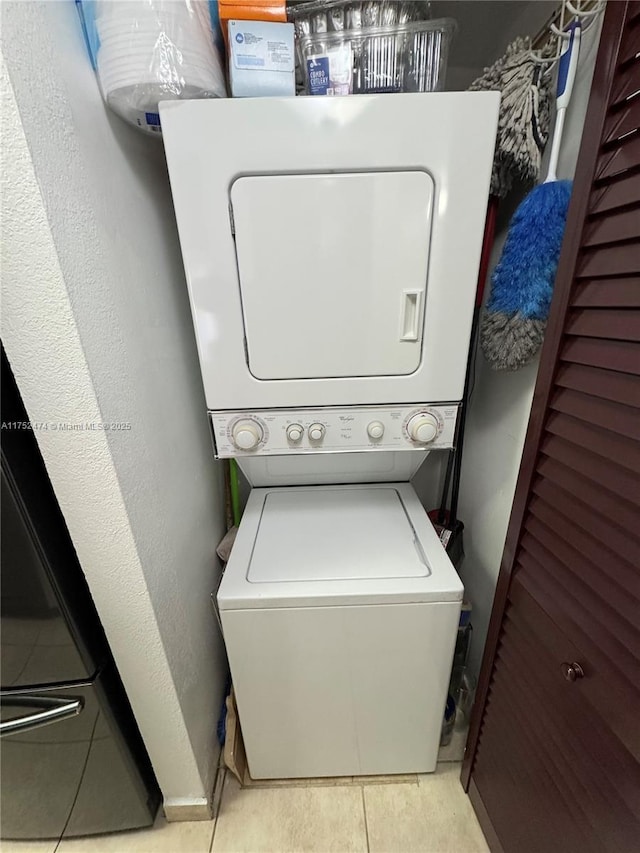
x: 411, y: 315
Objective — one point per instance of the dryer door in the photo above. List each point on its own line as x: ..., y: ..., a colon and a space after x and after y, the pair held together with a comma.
x: 347, y: 297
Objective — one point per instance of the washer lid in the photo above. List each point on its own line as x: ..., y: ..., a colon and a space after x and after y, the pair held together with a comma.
x: 316, y: 546
x: 335, y: 534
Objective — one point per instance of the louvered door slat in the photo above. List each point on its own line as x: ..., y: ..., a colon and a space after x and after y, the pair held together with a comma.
x: 624, y: 543
x: 608, y: 615
x: 605, y: 503
x: 569, y: 585
x: 608, y: 384
x: 519, y: 777
x: 610, y: 260
x: 630, y: 47
x: 608, y: 293
x: 627, y: 85
x: 617, y: 479
x: 596, y: 352
x: 613, y: 162
x: 611, y: 195
x: 617, y: 227
x: 591, y: 436
x: 622, y: 122
x: 617, y: 581
x: 612, y: 416
x: 606, y: 323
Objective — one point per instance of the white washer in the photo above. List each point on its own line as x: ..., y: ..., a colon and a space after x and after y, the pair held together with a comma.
x: 340, y: 609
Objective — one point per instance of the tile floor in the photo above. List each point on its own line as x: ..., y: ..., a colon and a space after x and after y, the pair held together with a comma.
x: 427, y: 813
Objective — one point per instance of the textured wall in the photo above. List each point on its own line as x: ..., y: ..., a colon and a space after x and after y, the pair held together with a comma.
x: 97, y: 328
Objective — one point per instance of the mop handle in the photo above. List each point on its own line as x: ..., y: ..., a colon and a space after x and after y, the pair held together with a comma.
x: 567, y: 68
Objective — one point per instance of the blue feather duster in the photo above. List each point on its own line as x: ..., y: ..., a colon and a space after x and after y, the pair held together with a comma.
x: 522, y: 282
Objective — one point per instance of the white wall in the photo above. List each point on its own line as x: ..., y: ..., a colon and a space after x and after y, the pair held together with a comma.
x: 96, y: 325
x: 499, y: 414
x: 485, y: 29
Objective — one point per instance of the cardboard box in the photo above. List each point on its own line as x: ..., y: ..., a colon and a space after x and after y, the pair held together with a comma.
x: 255, y: 10
x: 261, y: 59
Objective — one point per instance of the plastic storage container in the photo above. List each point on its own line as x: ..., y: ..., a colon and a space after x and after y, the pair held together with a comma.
x: 399, y: 58
x: 146, y: 51
x: 328, y: 16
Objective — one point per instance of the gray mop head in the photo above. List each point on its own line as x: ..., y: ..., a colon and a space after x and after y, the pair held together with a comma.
x: 525, y: 115
x: 509, y: 341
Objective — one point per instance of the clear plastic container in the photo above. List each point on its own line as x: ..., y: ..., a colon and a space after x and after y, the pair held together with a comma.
x: 400, y: 58
x: 329, y: 16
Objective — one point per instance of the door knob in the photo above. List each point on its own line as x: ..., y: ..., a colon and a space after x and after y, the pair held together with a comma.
x: 572, y: 671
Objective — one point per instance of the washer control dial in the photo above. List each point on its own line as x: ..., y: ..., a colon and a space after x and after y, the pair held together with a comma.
x: 316, y: 432
x: 246, y: 435
x: 375, y: 429
x: 423, y: 428
x: 295, y: 433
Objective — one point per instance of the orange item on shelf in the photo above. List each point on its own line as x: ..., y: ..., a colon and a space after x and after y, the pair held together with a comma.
x: 255, y: 10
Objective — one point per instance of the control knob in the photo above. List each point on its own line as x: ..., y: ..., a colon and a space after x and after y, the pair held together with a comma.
x: 246, y: 434
x: 422, y: 428
x: 316, y: 432
x: 295, y: 433
x: 375, y: 429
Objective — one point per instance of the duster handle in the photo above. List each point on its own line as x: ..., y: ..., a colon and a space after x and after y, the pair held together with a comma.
x: 567, y: 68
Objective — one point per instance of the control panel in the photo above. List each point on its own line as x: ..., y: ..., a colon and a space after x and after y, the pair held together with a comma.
x: 280, y: 432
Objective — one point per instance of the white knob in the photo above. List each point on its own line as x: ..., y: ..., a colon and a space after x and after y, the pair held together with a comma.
x: 423, y: 428
x: 316, y: 432
x: 246, y: 435
x: 375, y: 429
x: 295, y: 432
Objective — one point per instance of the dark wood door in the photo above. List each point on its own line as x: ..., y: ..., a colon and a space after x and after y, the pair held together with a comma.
x: 553, y: 758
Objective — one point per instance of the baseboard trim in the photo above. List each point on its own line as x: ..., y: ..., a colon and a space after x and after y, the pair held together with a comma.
x: 179, y: 809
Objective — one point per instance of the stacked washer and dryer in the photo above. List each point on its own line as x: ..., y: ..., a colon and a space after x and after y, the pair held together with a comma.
x: 331, y: 248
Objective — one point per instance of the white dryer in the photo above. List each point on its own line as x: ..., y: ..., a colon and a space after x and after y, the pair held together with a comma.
x: 339, y: 608
x: 331, y: 247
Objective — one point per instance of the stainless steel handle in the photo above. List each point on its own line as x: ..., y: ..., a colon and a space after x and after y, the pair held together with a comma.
x: 53, y: 710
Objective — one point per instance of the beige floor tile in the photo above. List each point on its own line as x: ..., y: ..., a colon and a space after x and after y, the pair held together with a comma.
x: 290, y: 820
x: 433, y: 817
x: 27, y: 846
x: 163, y: 837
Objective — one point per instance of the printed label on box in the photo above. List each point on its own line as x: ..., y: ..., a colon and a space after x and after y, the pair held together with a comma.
x: 331, y: 73
x: 255, y: 51
x: 319, y: 80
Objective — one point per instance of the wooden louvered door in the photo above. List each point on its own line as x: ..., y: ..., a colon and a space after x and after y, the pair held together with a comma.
x: 553, y: 757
